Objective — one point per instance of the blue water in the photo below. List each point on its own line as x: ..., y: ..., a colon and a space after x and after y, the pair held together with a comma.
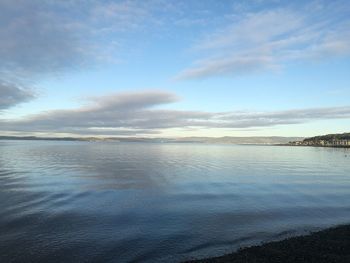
x: 149, y: 202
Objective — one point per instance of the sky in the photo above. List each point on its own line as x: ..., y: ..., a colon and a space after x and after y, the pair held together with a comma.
x: 158, y: 68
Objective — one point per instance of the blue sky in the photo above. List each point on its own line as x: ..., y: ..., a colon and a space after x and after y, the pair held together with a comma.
x: 174, y: 68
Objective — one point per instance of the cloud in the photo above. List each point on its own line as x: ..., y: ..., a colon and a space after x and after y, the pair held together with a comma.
x: 140, y: 113
x: 37, y: 39
x: 273, y: 118
x: 128, y: 101
x: 123, y: 15
x: 117, y: 112
x: 11, y: 95
x: 41, y: 38
x: 227, y: 66
x: 258, y: 40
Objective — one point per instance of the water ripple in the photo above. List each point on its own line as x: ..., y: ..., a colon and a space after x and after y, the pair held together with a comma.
x: 107, y: 202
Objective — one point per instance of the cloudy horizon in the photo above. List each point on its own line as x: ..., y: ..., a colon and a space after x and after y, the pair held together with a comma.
x: 174, y: 69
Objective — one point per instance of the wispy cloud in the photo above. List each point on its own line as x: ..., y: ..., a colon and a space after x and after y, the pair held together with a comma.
x: 141, y: 113
x: 268, y: 39
x: 232, y: 66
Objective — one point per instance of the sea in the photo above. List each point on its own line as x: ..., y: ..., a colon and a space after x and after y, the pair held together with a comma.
x: 67, y: 202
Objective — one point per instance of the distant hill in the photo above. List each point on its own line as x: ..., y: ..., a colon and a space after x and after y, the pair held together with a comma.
x: 258, y: 140
x: 30, y: 138
x: 243, y: 140
x: 223, y: 140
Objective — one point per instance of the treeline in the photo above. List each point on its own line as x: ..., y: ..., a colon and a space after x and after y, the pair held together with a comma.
x: 330, y: 137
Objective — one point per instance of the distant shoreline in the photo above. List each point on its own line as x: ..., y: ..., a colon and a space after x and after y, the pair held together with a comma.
x: 330, y: 245
x: 141, y: 140
x: 257, y: 140
x: 253, y: 141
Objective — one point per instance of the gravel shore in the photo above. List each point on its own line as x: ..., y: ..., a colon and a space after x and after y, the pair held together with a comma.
x: 327, y: 246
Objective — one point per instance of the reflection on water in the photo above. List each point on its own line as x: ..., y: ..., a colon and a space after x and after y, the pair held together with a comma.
x: 108, y: 202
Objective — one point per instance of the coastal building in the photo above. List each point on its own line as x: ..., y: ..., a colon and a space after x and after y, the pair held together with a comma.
x: 341, y: 142
x: 323, y: 143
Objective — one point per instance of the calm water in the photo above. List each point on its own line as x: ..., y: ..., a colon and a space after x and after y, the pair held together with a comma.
x: 122, y: 202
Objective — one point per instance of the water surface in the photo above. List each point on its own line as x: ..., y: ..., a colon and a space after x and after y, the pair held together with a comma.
x: 149, y: 202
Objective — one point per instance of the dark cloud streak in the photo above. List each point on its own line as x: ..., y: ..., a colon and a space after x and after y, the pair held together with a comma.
x: 11, y: 95
x: 140, y: 113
